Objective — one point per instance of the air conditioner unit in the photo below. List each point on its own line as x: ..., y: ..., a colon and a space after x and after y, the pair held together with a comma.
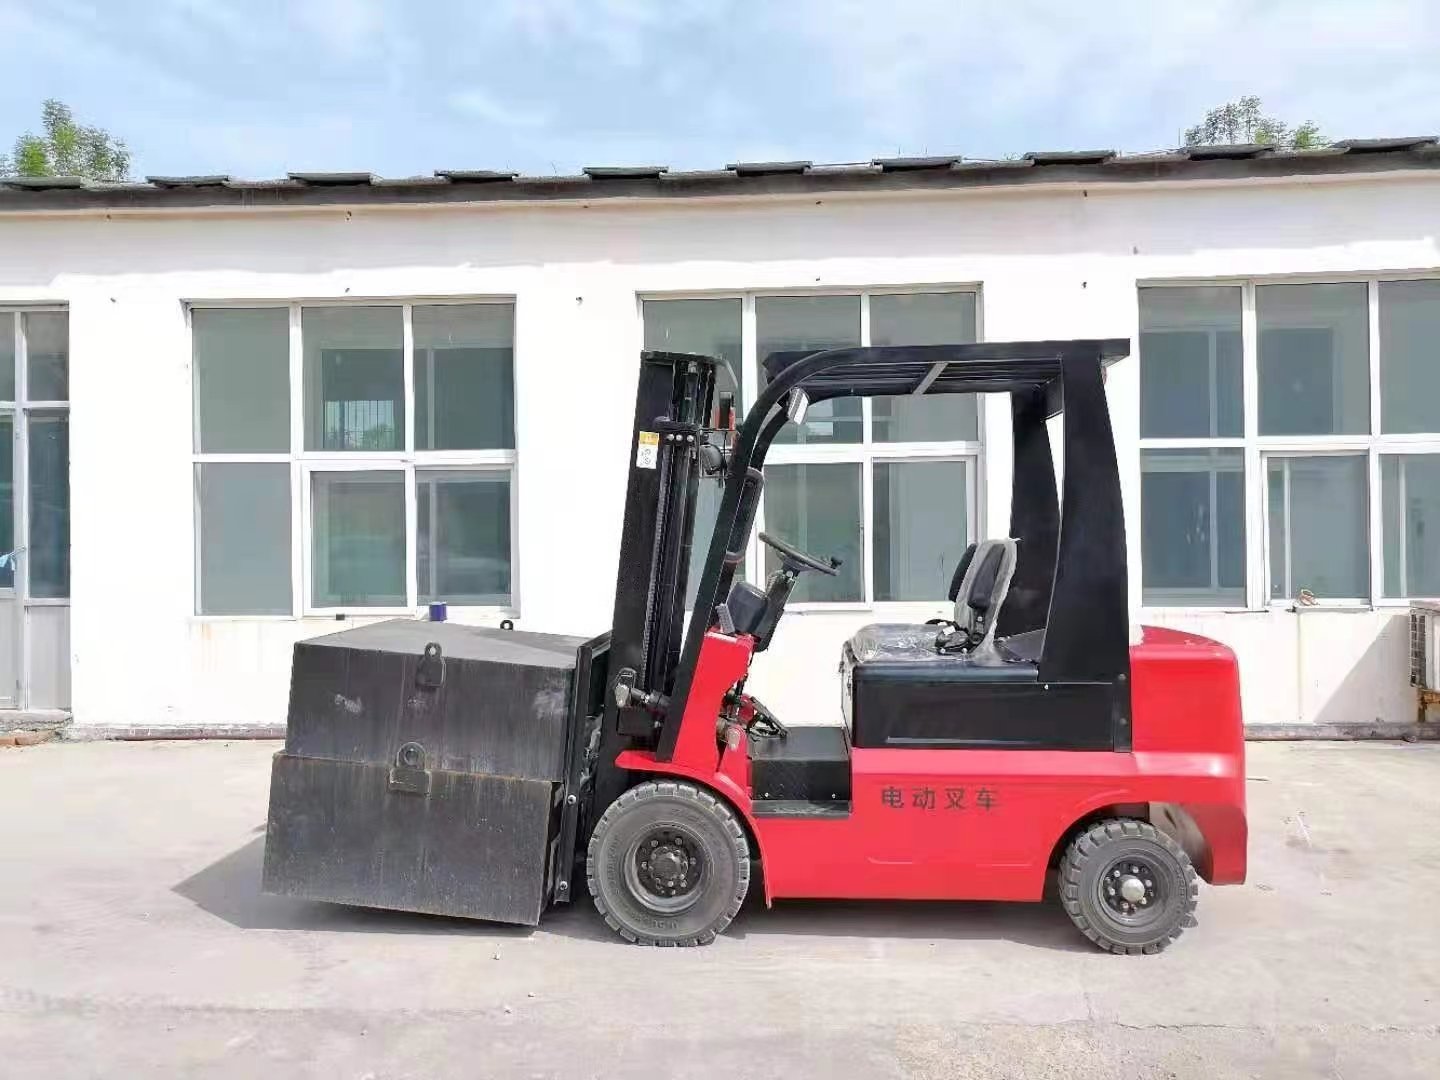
x: 1425, y: 646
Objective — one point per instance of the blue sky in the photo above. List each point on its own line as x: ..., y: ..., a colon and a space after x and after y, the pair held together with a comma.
x: 258, y: 87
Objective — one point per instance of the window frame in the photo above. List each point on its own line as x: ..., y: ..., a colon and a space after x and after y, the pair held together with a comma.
x: 863, y: 453
x: 1257, y: 448
x: 305, y: 463
x: 20, y: 410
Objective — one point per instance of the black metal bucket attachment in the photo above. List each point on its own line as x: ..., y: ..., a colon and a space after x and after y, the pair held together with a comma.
x: 429, y: 767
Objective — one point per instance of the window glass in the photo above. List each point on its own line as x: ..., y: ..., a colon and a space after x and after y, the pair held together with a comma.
x: 1409, y: 356
x: 1318, y: 527
x: 242, y: 538
x: 708, y: 327
x: 923, y: 319
x: 463, y: 529
x: 49, y: 544
x: 921, y: 527
x: 242, y: 379
x: 7, y: 356
x: 712, y: 328
x: 358, y: 542
x: 7, y: 500
x: 47, y: 355
x: 1314, y: 357
x: 464, y: 376
x: 354, y: 378
x: 1192, y: 531
x: 810, y: 324
x: 1410, y: 520
x: 817, y: 509
x: 1190, y: 363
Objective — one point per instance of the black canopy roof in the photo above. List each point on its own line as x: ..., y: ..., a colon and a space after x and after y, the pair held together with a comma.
x: 982, y: 368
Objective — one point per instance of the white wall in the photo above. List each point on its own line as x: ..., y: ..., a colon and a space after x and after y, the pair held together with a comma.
x: 1057, y: 263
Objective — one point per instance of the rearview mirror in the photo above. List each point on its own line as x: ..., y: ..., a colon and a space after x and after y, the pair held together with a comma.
x: 796, y: 404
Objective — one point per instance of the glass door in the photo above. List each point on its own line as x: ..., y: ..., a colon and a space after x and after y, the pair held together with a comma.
x: 34, y: 509
x: 11, y: 611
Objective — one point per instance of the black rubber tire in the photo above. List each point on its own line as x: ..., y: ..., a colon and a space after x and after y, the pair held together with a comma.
x: 1098, y: 848
x: 725, y: 848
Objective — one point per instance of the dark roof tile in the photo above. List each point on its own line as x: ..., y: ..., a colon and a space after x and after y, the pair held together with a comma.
x: 625, y: 172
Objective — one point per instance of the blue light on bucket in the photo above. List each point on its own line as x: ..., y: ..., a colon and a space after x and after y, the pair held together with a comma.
x: 438, y: 612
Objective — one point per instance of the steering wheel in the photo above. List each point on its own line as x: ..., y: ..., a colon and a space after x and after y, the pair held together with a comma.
x: 801, y: 559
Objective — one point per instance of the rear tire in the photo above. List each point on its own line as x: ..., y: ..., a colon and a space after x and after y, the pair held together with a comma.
x: 1128, y: 887
x: 668, y: 864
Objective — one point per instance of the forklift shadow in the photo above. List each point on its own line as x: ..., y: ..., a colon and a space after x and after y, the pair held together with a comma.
x: 229, y: 889
x: 1043, y: 925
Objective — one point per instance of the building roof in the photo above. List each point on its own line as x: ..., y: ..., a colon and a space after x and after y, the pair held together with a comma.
x: 1091, y: 167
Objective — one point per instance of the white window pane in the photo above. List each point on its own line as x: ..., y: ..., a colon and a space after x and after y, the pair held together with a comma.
x: 1314, y: 359
x: 1409, y: 356
x: 7, y: 356
x: 242, y: 380
x: 812, y: 323
x: 1318, y: 527
x: 1192, y: 531
x: 464, y: 376
x: 817, y: 509
x: 358, y: 534
x: 1190, y: 369
x: 1410, y: 513
x: 708, y: 327
x: 49, y: 544
x: 463, y: 527
x: 47, y: 355
x: 924, y: 319
x: 354, y: 378
x: 921, y: 527
x: 242, y: 530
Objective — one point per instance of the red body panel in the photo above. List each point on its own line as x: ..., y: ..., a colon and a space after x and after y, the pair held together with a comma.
x: 983, y: 824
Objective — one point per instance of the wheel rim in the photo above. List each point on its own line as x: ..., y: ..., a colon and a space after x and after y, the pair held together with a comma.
x: 665, y: 868
x: 1132, y: 892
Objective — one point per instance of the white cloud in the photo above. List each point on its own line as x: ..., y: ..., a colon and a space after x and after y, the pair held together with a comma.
x: 1114, y: 69
x: 484, y: 105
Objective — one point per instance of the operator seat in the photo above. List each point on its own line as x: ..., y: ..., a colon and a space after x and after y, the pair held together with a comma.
x: 978, y: 612
x: 983, y: 577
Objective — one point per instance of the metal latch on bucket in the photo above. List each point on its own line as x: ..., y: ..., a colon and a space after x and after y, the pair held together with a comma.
x: 409, y: 775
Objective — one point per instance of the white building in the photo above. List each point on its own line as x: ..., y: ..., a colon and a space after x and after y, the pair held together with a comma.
x: 331, y: 397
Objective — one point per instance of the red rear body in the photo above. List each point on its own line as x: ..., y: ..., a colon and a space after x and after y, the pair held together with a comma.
x: 981, y: 824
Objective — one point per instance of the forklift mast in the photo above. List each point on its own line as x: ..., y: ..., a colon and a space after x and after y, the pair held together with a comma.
x: 672, y: 422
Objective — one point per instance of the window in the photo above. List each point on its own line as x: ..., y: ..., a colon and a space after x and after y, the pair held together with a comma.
x: 1192, y: 480
x: 1317, y: 526
x: 711, y: 328
x: 1192, y: 518
x: 1410, y: 521
x: 1410, y: 356
x: 1305, y: 410
x: 1314, y: 359
x: 35, y: 455
x: 887, y: 486
x: 392, y: 484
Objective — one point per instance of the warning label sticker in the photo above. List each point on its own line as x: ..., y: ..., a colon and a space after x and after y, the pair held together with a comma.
x: 647, y: 450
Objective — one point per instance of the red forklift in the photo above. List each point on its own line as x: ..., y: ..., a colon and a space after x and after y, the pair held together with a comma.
x: 481, y: 772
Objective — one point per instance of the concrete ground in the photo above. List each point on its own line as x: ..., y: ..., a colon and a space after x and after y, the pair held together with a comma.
x: 134, y: 941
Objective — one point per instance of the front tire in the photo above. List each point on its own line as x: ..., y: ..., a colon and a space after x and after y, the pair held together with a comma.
x: 1128, y: 887
x: 668, y: 864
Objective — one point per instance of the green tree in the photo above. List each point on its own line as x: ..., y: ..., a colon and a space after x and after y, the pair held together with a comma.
x: 67, y: 148
x: 1244, y: 121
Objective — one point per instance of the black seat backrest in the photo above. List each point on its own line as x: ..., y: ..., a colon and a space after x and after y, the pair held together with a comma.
x: 961, y: 568
x: 987, y: 588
